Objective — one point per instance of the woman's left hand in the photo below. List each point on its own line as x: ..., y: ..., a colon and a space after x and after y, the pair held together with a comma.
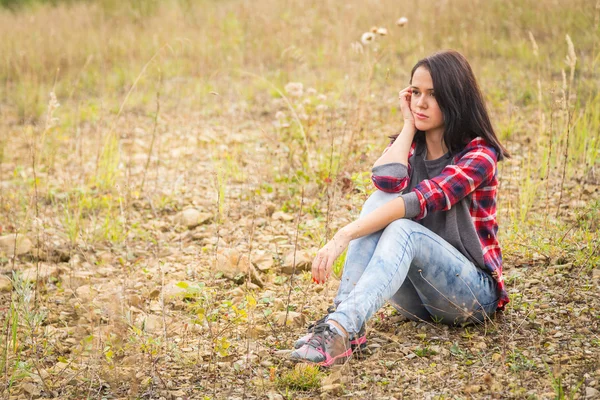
x: 323, y: 262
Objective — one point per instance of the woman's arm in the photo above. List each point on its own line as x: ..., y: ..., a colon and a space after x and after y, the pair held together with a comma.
x: 372, y: 222
x: 398, y: 151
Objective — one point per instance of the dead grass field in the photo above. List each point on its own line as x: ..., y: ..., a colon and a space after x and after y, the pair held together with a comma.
x: 159, y: 175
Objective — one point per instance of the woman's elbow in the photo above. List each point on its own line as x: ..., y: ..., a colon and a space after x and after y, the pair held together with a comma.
x: 388, y: 184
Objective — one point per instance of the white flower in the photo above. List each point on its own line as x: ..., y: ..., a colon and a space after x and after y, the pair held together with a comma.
x: 279, y: 115
x: 311, y: 91
x: 321, y: 97
x: 367, y: 38
x: 402, y: 21
x: 322, y: 108
x: 295, y: 89
x: 382, y: 31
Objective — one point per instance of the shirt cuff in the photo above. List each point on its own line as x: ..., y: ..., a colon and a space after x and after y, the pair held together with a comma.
x: 397, y: 170
x: 412, y: 205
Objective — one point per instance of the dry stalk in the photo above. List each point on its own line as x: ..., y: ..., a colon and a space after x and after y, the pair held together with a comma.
x: 153, y: 137
x: 287, y: 306
x: 550, y: 137
x: 565, y: 161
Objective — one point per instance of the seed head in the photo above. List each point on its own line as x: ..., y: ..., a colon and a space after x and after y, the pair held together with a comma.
x: 367, y: 38
x: 374, y: 29
x: 534, y: 44
x: 571, y: 58
x: 382, y: 31
x: 295, y: 89
x: 402, y: 21
x: 53, y: 104
x: 311, y: 91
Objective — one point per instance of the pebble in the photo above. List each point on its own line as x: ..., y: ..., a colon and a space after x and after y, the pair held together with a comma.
x: 591, y: 393
x: 5, y: 284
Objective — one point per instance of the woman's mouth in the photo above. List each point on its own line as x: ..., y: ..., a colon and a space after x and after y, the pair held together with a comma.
x: 421, y: 116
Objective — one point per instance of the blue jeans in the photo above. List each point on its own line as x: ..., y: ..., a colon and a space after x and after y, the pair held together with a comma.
x: 422, y: 275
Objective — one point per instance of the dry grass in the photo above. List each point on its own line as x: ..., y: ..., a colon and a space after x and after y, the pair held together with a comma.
x: 166, y: 105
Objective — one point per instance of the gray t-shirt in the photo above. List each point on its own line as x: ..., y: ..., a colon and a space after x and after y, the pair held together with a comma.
x: 455, y: 225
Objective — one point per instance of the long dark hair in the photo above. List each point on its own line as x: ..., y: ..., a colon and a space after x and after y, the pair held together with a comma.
x: 461, y: 102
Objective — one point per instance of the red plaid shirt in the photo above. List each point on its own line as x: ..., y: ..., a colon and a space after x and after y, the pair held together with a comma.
x: 472, y: 171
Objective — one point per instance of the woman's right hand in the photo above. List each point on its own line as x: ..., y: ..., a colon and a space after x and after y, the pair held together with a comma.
x: 404, y: 96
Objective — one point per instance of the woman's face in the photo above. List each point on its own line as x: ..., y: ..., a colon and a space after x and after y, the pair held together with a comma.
x: 424, y: 106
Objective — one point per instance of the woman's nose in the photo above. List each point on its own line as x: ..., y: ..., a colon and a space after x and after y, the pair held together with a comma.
x: 421, y: 102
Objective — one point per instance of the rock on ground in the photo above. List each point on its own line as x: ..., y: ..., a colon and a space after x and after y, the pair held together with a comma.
x: 294, y: 318
x: 7, y: 245
x: 5, y: 284
x: 236, y: 266
x: 45, y: 272
x: 191, y: 218
x: 301, y: 259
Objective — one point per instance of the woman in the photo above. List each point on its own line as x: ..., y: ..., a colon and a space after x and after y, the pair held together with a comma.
x: 427, y: 239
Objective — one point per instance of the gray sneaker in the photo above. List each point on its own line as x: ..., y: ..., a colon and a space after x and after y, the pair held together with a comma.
x: 357, y: 342
x: 325, y: 347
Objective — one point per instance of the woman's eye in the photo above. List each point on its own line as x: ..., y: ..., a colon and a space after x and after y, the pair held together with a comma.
x: 432, y: 94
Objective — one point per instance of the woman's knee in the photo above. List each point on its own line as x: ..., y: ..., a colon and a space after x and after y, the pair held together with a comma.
x: 403, y: 225
x: 376, y: 200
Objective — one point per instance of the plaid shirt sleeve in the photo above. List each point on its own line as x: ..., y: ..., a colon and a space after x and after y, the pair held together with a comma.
x: 394, y: 184
x: 473, y: 167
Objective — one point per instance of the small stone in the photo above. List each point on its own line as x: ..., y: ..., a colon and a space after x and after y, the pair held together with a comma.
x: 263, y: 262
x: 301, y: 259
x: 152, y: 323
x: 85, y: 293
x: 473, y: 389
x: 5, y: 284
x: 591, y: 393
x: 335, y: 388
x: 236, y: 266
x: 32, y: 389
x: 44, y: 273
x: 257, y: 331
x: 130, y: 360
x: 274, y: 396
x: 191, y: 218
x: 294, y: 318
x: 332, y: 379
x: 59, y: 368
x: 281, y: 216
x: 8, y: 248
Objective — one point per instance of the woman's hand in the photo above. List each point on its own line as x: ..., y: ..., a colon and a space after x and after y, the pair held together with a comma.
x: 404, y: 96
x: 323, y: 262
